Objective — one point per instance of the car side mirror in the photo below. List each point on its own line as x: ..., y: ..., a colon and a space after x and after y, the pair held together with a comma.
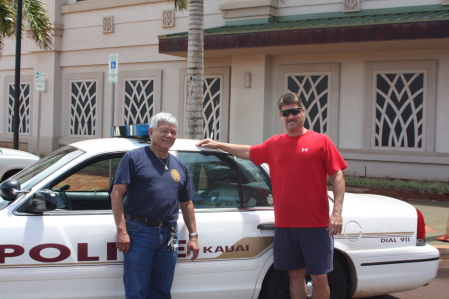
x: 10, y: 190
x: 43, y: 201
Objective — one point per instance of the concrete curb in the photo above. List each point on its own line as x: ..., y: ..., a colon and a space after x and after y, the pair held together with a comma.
x: 444, y: 251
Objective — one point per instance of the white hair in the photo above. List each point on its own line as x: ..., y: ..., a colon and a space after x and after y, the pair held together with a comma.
x: 163, y: 117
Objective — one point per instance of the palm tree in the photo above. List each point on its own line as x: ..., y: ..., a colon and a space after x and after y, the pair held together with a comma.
x: 195, y: 69
x: 36, y: 16
x: 195, y: 66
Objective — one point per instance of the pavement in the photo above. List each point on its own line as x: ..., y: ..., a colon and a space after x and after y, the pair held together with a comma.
x: 436, y: 217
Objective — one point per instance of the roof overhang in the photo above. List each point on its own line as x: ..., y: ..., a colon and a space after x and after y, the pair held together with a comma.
x: 287, y: 36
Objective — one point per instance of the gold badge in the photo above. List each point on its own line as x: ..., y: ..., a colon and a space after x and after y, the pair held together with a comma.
x: 175, y: 175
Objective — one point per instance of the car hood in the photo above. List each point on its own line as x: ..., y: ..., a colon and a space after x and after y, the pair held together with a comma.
x: 10, y: 153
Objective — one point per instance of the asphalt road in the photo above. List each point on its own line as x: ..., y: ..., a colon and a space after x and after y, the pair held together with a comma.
x: 438, y: 288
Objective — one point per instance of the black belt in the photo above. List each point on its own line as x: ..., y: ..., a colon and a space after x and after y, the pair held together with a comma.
x: 149, y: 222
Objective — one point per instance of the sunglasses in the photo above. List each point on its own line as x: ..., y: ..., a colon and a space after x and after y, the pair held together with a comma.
x: 294, y: 111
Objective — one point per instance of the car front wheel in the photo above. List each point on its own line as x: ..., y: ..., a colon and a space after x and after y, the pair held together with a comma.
x: 276, y: 284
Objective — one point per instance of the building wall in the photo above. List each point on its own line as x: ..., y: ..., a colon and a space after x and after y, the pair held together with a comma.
x: 249, y: 113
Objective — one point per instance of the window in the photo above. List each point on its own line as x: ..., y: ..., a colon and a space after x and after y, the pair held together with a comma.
x: 222, y: 183
x: 24, y: 107
x: 256, y: 185
x: 83, y: 108
x: 139, y: 101
x: 212, y: 106
x: 141, y: 96
x: 318, y: 86
x: 88, y: 188
x: 399, y: 110
x: 400, y: 105
x: 314, y: 93
x: 215, y: 103
x: 34, y: 174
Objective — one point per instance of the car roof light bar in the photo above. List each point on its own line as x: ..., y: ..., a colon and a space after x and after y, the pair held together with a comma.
x: 133, y: 131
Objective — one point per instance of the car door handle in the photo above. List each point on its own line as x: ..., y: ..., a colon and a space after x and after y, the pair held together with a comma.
x: 266, y: 225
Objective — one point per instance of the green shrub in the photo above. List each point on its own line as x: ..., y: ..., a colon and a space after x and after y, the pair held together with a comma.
x: 385, y: 182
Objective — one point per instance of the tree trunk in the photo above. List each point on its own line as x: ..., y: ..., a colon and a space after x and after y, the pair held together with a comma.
x: 195, y: 64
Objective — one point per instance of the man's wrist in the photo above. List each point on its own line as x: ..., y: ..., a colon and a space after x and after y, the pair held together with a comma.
x: 193, y: 235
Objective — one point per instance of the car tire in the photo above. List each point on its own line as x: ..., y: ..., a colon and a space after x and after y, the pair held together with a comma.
x: 276, y: 284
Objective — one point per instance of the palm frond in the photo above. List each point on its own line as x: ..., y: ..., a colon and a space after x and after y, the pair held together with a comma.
x: 180, y: 4
x: 35, y: 13
x: 7, y: 19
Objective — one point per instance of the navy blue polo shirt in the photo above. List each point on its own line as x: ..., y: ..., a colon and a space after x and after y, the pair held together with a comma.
x: 154, y: 192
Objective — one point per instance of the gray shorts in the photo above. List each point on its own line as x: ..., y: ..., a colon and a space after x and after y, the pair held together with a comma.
x: 310, y: 248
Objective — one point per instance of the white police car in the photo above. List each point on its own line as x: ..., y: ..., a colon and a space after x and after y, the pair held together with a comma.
x: 58, y: 232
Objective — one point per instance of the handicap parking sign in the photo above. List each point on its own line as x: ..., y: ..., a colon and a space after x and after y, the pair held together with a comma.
x: 113, y: 68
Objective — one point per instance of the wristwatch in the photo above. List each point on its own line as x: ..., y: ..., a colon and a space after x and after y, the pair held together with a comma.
x: 193, y: 235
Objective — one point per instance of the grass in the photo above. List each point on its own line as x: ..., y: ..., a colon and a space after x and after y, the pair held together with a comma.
x: 412, y: 185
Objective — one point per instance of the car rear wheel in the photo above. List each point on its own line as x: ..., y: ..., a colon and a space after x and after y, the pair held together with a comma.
x: 276, y: 284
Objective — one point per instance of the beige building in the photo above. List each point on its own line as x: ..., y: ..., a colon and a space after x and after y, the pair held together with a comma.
x: 373, y: 75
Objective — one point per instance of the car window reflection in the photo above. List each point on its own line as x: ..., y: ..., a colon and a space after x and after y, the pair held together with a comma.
x: 222, y: 183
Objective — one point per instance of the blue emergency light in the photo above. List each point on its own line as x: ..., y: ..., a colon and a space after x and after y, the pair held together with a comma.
x: 136, y: 131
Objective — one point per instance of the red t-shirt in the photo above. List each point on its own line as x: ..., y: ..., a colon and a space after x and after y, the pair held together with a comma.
x: 299, y: 168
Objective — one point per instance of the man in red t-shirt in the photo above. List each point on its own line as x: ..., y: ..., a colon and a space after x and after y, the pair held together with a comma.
x: 300, y: 162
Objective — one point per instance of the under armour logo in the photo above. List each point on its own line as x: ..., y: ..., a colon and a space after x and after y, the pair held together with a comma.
x: 305, y: 149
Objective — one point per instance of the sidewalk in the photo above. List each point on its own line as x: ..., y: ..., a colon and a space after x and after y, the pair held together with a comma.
x: 435, y: 215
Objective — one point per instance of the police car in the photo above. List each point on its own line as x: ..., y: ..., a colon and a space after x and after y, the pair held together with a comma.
x: 58, y: 233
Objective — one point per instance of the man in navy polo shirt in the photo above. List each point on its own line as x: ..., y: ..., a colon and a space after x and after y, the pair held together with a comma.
x: 156, y: 184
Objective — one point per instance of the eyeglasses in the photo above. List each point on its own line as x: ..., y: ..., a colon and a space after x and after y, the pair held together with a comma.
x: 294, y: 111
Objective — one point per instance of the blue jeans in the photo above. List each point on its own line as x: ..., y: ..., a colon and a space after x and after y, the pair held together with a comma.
x: 149, y: 265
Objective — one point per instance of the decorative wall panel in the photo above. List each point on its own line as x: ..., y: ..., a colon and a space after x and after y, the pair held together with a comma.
x: 314, y: 93
x: 168, y: 18
x: 399, y: 110
x: 400, y: 105
x: 216, y: 95
x: 83, y: 108
x: 351, y: 5
x: 108, y: 24
x: 24, y: 107
x: 212, y: 104
x: 138, y: 101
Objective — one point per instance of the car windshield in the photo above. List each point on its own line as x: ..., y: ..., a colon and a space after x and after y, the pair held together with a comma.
x: 35, y: 173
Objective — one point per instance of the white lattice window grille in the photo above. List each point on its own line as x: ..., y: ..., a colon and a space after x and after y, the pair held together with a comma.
x: 351, y: 5
x: 83, y: 108
x: 139, y: 101
x: 168, y: 18
x: 108, y: 24
x: 24, y: 107
x: 314, y: 93
x: 399, y: 110
x: 212, y: 106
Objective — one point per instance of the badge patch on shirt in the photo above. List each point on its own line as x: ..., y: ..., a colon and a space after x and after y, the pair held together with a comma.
x: 175, y: 175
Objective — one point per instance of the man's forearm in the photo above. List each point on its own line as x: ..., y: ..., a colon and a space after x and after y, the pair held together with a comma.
x: 338, y: 187
x: 188, y: 213
x: 118, y: 210
x: 238, y: 150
